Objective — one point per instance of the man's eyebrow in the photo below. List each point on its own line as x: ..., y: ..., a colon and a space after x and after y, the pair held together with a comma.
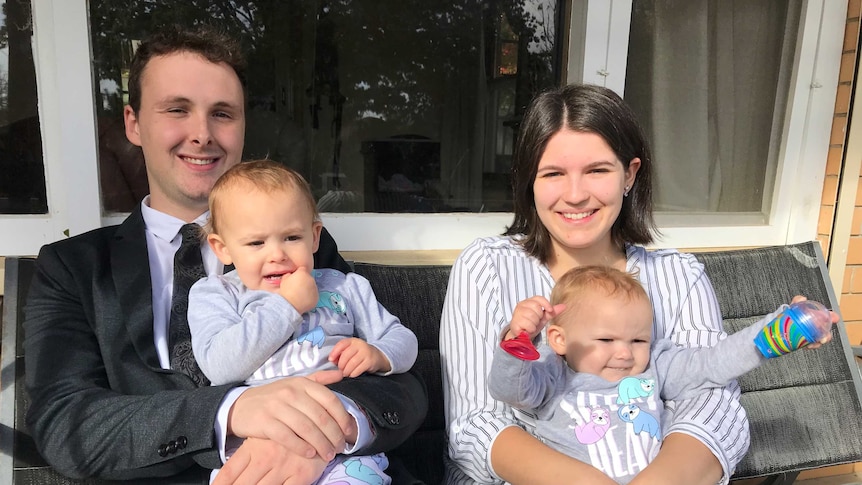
x: 185, y: 100
x: 174, y: 100
x: 226, y: 104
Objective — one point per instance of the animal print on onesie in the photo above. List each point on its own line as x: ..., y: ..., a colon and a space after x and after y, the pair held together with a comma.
x: 356, y: 470
x: 593, y: 425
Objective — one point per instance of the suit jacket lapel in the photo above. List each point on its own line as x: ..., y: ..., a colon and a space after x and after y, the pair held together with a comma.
x: 131, y: 274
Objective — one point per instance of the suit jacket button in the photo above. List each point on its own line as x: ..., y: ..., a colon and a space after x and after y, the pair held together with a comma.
x: 163, y: 450
x: 392, y: 417
x: 172, y: 447
x: 182, y: 441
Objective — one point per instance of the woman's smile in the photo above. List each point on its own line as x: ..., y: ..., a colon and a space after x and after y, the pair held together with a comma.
x: 577, y: 216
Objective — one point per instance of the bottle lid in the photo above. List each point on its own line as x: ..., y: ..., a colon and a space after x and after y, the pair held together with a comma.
x: 814, y: 319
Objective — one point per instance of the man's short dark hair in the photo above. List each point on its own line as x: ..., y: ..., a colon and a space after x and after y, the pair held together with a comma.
x: 207, y: 41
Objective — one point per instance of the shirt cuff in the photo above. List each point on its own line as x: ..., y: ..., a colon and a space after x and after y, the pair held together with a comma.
x: 227, y: 444
x: 364, y: 435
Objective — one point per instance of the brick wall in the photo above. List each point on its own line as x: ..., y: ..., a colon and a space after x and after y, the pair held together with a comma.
x: 851, y: 293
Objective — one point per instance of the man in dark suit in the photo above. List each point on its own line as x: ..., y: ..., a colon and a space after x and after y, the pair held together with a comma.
x: 105, y: 402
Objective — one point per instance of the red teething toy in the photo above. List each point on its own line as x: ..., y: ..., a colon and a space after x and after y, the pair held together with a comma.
x: 521, y: 347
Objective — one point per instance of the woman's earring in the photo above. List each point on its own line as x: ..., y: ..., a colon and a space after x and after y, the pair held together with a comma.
x: 626, y: 192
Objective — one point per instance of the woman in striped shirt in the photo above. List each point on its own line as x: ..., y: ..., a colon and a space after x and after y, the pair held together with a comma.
x: 583, y: 195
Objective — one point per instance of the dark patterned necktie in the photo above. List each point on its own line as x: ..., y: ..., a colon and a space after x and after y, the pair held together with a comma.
x: 188, y: 269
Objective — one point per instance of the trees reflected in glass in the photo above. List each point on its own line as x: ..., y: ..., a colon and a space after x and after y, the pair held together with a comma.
x: 22, y: 184
x: 407, y: 106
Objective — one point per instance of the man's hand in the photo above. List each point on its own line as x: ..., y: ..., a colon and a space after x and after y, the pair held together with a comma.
x: 299, y: 413
x: 355, y: 356
x: 299, y: 289
x: 267, y: 462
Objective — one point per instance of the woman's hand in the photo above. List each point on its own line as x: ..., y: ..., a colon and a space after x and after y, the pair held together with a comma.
x: 682, y: 460
x: 515, y: 453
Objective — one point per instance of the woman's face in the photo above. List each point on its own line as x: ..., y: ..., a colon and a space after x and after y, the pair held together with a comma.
x: 579, y: 190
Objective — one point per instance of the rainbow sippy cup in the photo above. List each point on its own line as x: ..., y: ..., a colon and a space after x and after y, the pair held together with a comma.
x: 798, y: 325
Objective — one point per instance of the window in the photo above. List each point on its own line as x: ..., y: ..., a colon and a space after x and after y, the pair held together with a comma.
x: 457, y: 111
x: 737, y: 98
x: 710, y: 82
x: 22, y: 185
x: 384, y: 107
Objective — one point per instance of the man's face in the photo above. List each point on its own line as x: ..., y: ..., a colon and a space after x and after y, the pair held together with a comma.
x: 190, y: 126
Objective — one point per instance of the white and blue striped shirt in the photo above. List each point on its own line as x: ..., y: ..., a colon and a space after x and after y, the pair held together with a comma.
x: 488, y: 280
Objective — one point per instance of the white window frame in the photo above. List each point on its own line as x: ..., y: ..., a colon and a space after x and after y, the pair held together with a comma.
x: 61, y: 47
x: 798, y: 184
x: 67, y: 116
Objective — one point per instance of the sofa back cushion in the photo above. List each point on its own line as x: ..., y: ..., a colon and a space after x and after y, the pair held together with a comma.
x: 415, y: 295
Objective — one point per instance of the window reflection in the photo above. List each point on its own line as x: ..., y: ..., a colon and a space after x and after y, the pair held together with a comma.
x: 385, y: 106
x: 22, y: 185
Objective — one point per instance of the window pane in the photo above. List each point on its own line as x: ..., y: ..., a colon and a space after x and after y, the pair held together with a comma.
x: 384, y: 106
x: 22, y: 183
x: 709, y: 79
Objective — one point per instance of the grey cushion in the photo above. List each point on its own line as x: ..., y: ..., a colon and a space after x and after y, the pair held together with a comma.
x: 415, y: 294
x: 803, y: 408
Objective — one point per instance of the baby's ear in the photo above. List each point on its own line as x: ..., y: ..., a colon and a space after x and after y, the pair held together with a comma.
x: 220, y: 249
x: 316, y: 228
x: 557, y: 339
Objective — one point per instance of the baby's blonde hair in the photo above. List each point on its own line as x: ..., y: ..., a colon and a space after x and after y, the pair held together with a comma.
x: 264, y: 175
x: 586, y: 279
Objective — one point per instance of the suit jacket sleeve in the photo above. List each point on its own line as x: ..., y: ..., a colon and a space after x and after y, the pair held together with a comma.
x: 327, y: 254
x: 395, y: 405
x: 99, y: 409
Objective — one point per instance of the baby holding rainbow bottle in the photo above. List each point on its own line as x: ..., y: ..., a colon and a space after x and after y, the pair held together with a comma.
x: 598, y: 387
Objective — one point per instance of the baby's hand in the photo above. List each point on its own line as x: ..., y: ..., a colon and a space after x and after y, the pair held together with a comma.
x: 355, y: 356
x: 531, y: 316
x: 826, y: 338
x: 299, y: 289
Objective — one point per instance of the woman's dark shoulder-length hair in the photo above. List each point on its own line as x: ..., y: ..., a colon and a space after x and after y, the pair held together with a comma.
x: 589, y: 109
